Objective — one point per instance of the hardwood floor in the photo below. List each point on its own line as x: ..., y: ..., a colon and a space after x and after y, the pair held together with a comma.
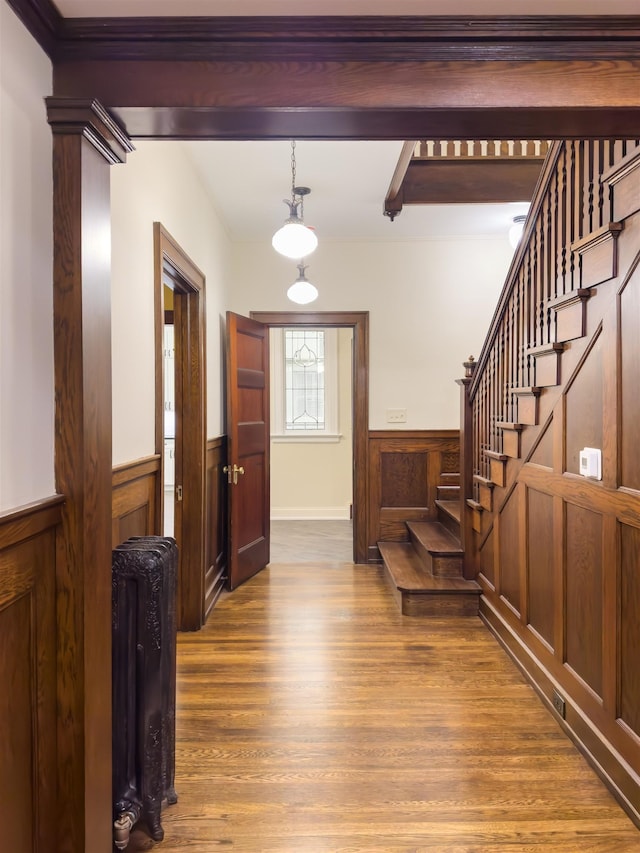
x: 313, y: 717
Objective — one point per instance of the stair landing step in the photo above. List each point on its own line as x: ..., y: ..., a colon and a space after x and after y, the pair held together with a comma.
x: 408, y: 574
x: 418, y: 593
x: 435, y: 538
x: 452, y: 508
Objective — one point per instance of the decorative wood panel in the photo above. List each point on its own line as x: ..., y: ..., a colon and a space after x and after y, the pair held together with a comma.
x: 216, y: 523
x: 28, y: 757
x: 405, y: 470
x: 629, y: 710
x: 540, y: 549
x: 629, y: 309
x: 134, y: 506
x: 509, y: 550
x: 584, y: 413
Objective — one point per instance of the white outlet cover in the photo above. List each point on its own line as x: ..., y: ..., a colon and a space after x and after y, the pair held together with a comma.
x: 591, y: 463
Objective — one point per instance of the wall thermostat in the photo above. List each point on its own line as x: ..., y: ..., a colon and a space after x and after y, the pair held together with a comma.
x: 591, y: 463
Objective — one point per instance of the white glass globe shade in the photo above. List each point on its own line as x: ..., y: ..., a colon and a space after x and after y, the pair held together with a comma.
x: 302, y: 292
x: 294, y: 240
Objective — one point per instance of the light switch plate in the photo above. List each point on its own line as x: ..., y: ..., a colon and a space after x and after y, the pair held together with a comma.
x: 396, y: 416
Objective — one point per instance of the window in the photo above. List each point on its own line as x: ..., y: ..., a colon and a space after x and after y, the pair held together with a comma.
x: 304, y: 389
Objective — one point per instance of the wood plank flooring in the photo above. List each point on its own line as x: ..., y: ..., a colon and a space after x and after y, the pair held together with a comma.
x: 313, y: 717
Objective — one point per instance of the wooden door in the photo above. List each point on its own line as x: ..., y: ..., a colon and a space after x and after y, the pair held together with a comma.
x: 248, y: 446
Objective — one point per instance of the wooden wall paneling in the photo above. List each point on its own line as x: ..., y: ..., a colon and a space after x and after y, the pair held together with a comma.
x: 628, y: 699
x: 28, y: 757
x: 584, y: 425
x: 487, y: 560
x: 216, y: 523
x: 584, y: 594
x: 559, y: 580
x: 509, y: 550
x: 134, y: 507
x: 404, y: 471
x: 628, y: 313
x: 86, y: 141
x: 541, y: 554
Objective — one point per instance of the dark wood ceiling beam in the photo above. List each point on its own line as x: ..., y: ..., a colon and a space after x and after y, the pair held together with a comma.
x: 377, y: 100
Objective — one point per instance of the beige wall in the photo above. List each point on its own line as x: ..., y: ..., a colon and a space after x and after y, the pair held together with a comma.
x: 430, y: 305
x: 26, y: 265
x: 315, y: 480
x: 158, y: 183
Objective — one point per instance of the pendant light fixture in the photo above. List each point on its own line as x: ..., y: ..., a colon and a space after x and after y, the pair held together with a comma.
x: 295, y: 239
x: 302, y: 291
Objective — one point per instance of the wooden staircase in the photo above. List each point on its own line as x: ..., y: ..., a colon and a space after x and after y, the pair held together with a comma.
x: 425, y: 574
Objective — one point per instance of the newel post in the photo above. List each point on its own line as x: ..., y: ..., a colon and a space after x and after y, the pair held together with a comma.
x: 466, y: 467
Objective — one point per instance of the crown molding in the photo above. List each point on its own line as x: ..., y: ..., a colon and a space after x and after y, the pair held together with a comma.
x: 331, y: 38
x: 351, y: 39
x: 42, y: 19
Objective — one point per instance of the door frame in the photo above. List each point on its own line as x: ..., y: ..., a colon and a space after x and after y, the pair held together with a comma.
x: 173, y: 267
x: 358, y: 321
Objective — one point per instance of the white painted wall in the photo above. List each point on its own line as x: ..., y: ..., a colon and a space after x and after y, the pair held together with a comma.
x: 430, y: 304
x: 314, y: 481
x: 159, y: 183
x: 26, y: 269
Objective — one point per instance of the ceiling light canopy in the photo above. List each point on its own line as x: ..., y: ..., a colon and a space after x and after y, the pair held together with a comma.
x: 302, y: 291
x: 295, y: 239
x: 515, y: 232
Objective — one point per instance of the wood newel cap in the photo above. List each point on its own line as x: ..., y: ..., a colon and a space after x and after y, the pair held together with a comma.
x: 470, y: 367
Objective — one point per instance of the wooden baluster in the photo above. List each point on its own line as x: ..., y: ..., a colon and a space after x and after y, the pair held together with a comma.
x: 589, y: 222
x: 563, y: 220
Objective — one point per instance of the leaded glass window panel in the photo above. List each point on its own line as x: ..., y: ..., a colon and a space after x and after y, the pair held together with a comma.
x: 304, y: 383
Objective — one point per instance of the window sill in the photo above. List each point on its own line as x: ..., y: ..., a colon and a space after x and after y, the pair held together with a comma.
x: 306, y: 438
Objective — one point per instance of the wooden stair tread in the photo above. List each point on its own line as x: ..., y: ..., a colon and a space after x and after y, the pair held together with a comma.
x: 452, y: 508
x: 409, y: 576
x: 435, y: 538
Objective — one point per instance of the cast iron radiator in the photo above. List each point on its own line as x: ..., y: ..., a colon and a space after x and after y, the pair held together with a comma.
x: 144, y: 683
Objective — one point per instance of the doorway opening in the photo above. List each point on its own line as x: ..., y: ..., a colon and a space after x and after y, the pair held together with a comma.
x: 358, y: 323
x: 180, y: 422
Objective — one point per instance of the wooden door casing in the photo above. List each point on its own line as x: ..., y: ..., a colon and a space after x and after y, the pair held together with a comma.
x: 248, y: 433
x: 175, y: 269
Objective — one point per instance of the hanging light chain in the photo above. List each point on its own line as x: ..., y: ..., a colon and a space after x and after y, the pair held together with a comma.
x: 293, y: 169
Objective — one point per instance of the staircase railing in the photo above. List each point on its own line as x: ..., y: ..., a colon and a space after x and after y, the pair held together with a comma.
x: 569, y: 203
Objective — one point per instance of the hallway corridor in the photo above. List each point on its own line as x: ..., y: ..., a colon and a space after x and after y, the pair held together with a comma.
x: 313, y: 717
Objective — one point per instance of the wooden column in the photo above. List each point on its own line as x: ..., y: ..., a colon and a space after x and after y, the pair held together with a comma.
x: 86, y: 142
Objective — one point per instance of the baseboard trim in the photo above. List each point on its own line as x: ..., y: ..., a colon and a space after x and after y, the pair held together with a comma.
x: 619, y: 777
x: 311, y: 513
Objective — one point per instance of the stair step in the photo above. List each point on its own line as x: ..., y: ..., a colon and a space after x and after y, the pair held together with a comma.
x: 419, y: 593
x: 450, y: 479
x: 438, y: 548
x: 447, y: 493
x: 449, y: 515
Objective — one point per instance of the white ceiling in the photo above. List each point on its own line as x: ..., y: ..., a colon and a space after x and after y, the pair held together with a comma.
x: 349, y: 181
x: 129, y: 8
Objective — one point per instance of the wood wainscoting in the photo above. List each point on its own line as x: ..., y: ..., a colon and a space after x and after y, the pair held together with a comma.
x: 136, y: 513
x: 215, y: 544
x: 28, y: 757
x: 135, y: 510
x: 405, y: 470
